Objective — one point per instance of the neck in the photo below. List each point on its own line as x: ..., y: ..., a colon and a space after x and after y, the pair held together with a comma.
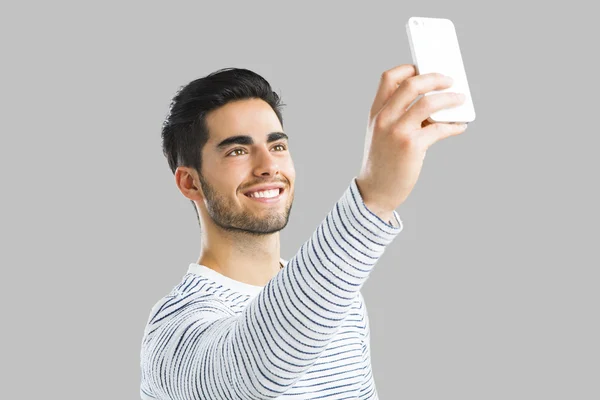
x: 247, y: 258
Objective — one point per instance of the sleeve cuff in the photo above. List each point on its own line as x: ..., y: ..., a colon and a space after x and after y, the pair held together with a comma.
x: 367, y: 217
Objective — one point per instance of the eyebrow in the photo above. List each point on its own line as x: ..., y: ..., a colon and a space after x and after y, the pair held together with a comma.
x: 247, y: 140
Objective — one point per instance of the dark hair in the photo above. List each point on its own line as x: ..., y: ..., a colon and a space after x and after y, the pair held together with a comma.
x: 185, y: 132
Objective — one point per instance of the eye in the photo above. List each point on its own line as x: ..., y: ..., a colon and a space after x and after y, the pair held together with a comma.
x: 233, y: 151
x: 241, y: 149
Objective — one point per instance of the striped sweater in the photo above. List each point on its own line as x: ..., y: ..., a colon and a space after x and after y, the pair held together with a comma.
x: 304, y: 335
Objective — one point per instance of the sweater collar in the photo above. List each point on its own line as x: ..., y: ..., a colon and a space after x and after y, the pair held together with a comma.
x: 229, y: 283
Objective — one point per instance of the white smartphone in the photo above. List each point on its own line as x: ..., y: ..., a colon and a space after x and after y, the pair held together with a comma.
x: 434, y: 48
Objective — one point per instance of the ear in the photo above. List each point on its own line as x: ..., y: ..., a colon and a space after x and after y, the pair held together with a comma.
x: 188, y: 182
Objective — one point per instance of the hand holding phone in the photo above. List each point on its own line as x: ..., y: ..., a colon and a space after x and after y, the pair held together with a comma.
x: 396, y: 140
x: 434, y: 49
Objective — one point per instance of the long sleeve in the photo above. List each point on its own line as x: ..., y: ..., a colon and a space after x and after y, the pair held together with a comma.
x: 201, y: 350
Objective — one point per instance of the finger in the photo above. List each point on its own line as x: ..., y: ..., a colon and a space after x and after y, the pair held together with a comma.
x: 427, y: 105
x: 435, y: 132
x: 388, y: 84
x: 408, y: 91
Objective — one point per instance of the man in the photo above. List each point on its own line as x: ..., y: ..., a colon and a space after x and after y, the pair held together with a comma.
x: 239, y: 325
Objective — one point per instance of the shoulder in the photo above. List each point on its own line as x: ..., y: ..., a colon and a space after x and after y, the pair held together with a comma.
x: 193, y: 296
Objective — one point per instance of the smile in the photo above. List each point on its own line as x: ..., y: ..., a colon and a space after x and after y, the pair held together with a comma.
x: 266, y: 199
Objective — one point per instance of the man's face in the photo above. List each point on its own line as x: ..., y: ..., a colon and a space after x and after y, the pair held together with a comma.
x: 230, y: 171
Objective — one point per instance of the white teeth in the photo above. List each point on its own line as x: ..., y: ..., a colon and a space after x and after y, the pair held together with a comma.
x: 266, y: 193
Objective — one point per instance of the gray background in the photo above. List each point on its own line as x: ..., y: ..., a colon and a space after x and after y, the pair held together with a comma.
x: 491, y: 290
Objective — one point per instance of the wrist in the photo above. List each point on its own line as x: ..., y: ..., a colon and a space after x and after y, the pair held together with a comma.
x: 382, y: 212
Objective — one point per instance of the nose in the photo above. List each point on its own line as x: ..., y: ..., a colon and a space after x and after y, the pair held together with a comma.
x: 266, y: 163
